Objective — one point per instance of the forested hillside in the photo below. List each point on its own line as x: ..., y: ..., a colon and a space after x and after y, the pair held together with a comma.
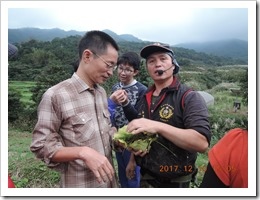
x: 33, y: 56
x: 26, y: 34
x: 235, y: 49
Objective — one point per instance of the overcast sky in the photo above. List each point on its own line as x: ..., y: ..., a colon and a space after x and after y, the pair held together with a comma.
x: 163, y: 21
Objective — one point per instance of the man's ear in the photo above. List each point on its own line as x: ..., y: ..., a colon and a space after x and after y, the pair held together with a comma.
x: 173, y: 66
x: 87, y: 54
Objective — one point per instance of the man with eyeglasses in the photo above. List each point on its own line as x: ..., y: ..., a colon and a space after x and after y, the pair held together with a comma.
x: 128, y: 66
x: 73, y: 132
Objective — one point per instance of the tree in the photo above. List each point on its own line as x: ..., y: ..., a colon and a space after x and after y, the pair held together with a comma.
x: 50, y: 76
x: 143, y: 75
x: 15, y: 106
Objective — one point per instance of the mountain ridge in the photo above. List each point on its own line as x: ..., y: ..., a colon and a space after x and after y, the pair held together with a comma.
x: 234, y: 48
x: 237, y: 49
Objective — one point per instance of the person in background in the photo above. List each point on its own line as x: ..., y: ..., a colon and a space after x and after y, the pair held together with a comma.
x: 180, y: 124
x: 12, y: 50
x: 228, y: 161
x: 10, y: 183
x: 73, y: 132
x: 128, y: 66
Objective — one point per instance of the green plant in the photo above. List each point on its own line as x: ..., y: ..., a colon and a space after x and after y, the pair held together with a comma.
x: 15, y: 106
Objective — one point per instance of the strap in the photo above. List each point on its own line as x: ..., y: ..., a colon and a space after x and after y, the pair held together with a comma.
x: 183, y: 97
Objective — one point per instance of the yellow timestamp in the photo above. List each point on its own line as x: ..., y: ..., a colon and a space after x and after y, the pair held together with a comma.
x: 175, y: 168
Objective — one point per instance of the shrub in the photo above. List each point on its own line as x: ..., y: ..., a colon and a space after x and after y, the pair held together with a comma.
x: 15, y: 106
x: 221, y: 122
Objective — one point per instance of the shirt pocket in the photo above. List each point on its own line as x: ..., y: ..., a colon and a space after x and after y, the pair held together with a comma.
x: 83, y: 127
x: 107, y: 127
x: 106, y: 116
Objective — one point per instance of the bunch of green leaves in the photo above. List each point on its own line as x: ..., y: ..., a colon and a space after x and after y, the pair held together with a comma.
x: 136, y: 142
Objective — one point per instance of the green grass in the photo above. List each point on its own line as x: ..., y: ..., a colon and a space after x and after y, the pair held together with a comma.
x: 24, y: 87
x: 25, y: 170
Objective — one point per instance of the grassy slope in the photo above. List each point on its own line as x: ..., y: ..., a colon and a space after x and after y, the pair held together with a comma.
x: 24, y: 168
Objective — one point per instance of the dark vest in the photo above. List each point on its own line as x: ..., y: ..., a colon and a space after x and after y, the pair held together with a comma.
x: 165, y: 159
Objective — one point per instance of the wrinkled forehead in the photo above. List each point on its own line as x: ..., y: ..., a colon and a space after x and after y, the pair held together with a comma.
x: 158, y: 54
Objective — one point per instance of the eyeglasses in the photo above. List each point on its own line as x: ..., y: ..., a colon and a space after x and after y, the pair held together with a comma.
x: 109, y: 66
x: 120, y: 69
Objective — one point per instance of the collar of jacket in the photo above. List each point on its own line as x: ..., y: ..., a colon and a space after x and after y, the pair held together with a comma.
x: 173, y: 86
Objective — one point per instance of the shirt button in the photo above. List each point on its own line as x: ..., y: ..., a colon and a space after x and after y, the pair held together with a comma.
x: 83, y: 120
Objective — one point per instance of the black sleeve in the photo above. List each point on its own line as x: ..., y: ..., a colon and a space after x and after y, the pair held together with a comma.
x: 130, y: 112
x: 211, y: 180
x: 196, y: 115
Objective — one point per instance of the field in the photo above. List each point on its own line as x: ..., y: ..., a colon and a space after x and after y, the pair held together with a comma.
x: 28, y: 172
x: 24, y: 88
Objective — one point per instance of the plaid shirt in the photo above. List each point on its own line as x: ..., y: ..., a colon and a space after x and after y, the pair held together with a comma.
x: 71, y: 114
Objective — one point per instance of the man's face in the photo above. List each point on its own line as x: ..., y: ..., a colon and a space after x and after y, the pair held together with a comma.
x: 159, y: 61
x: 103, y: 65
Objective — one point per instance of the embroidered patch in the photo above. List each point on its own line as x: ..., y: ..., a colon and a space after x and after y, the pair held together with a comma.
x: 166, y: 112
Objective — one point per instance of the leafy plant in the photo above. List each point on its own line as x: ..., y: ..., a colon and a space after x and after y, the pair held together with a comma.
x: 15, y: 106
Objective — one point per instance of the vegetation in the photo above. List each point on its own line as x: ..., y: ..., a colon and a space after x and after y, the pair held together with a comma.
x: 234, y: 48
x: 40, y: 65
x: 25, y: 170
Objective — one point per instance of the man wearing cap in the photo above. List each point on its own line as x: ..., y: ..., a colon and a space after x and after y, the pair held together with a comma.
x: 177, y: 115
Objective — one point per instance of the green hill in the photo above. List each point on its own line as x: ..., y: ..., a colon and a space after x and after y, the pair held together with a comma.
x: 233, y: 48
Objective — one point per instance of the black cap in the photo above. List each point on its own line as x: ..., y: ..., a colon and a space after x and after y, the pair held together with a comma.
x: 158, y: 47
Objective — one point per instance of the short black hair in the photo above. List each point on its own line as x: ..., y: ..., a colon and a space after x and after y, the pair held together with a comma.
x: 130, y: 58
x: 96, y: 41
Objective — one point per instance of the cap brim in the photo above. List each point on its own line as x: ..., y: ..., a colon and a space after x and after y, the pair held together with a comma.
x: 148, y: 50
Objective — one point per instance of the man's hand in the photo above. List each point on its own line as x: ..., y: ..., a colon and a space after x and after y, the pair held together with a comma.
x: 98, y: 164
x: 140, y: 153
x: 118, y: 146
x: 130, y: 168
x: 119, y: 97
x: 142, y: 125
